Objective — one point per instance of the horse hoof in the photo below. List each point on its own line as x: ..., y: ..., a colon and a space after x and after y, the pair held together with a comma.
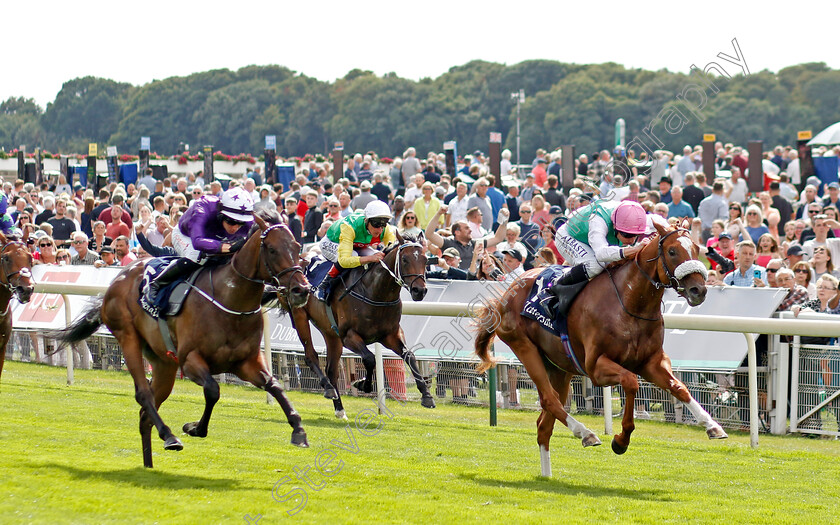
x: 428, y: 401
x: 299, y: 439
x: 331, y: 393
x: 359, y: 384
x: 192, y: 430
x: 339, y: 414
x: 618, y: 449
x: 716, y: 433
x: 591, y: 441
x: 173, y: 443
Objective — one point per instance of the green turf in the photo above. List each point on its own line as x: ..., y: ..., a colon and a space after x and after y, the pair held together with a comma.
x: 72, y: 455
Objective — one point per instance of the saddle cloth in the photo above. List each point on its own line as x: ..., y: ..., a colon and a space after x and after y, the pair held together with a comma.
x: 170, y: 298
x: 317, y: 270
x: 533, y: 309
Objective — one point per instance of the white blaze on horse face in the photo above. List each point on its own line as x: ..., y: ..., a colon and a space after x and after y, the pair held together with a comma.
x: 687, y: 244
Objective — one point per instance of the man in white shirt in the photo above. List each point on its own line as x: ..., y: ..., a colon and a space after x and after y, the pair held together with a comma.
x: 413, y: 192
x: 513, y: 264
x: 738, y: 191
x: 459, y: 205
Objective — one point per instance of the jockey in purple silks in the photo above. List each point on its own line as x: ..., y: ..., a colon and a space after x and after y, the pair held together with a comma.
x: 210, y: 226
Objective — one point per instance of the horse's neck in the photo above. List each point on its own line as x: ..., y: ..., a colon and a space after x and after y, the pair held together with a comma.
x: 645, y: 298
x: 379, y: 281
x: 5, y: 298
x: 229, y: 283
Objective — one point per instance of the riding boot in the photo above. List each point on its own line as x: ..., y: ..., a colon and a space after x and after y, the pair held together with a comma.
x: 178, y: 268
x: 559, y: 299
x: 324, y: 288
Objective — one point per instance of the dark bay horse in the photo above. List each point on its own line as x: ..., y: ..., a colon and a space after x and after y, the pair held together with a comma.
x: 15, y: 279
x: 615, y: 329
x: 367, y: 308
x: 218, y: 330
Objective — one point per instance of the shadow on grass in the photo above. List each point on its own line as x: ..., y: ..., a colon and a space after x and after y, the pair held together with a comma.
x: 571, y: 488
x: 146, y: 478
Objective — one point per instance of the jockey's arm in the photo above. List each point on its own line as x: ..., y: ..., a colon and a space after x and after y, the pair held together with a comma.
x: 346, y: 259
x: 598, y: 231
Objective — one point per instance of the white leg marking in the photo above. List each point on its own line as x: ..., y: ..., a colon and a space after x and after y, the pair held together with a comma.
x: 545, y: 462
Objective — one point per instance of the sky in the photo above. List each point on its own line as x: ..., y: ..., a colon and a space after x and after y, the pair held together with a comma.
x: 48, y: 43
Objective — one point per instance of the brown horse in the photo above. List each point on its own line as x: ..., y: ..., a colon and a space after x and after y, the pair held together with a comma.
x: 15, y: 279
x: 616, y: 331
x: 218, y: 330
x: 367, y: 308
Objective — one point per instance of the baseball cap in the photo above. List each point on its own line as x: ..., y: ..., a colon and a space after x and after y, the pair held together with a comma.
x: 78, y: 186
x: 365, y: 185
x: 555, y: 210
x: 451, y: 252
x: 106, y: 249
x: 667, y: 179
x: 725, y: 235
x: 795, y: 250
x: 513, y: 253
x: 834, y: 185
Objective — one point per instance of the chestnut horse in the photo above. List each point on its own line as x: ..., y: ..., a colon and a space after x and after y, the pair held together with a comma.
x: 15, y: 279
x: 615, y: 329
x: 367, y: 308
x: 218, y: 330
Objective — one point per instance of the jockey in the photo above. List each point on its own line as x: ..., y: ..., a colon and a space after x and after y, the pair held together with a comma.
x: 596, y: 235
x: 211, y: 226
x: 350, y: 242
x: 7, y: 225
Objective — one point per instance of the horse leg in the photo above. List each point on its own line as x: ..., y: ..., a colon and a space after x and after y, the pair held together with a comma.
x: 529, y: 356
x: 146, y: 398
x: 196, y: 369
x: 560, y: 380
x: 310, y: 357
x: 608, y: 372
x: 255, y: 371
x: 396, y: 342
x: 660, y: 374
x: 334, y: 349
x: 355, y: 343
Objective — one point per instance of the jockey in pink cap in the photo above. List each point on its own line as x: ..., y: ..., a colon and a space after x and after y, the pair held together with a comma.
x: 598, y: 234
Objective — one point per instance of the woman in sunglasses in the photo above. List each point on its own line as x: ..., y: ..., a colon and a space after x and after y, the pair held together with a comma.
x: 46, y: 251
x: 802, y: 274
x: 351, y: 241
x: 211, y: 226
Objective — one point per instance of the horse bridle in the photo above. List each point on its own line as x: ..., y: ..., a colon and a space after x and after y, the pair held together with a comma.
x: 274, y: 278
x: 398, y: 277
x: 7, y: 282
x: 685, y: 268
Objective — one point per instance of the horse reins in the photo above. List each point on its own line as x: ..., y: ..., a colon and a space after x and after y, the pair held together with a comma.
x: 7, y: 284
x: 673, y: 282
x: 398, y: 278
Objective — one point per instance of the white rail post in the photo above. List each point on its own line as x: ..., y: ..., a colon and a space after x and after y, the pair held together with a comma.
x: 380, y: 379
x: 753, y: 382
x: 608, y: 429
x: 267, y: 349
x: 68, y: 351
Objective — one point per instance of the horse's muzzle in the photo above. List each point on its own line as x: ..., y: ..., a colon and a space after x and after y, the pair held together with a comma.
x: 417, y: 294
x: 24, y: 293
x: 298, y: 296
x: 695, y: 294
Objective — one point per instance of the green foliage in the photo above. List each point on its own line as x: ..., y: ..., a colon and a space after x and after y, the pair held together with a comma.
x: 565, y: 104
x: 72, y: 455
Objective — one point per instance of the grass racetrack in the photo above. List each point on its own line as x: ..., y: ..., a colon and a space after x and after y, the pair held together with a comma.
x: 72, y: 455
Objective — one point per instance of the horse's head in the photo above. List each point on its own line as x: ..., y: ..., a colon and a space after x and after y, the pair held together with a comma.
x: 409, y: 264
x: 679, y: 266
x: 16, y: 268
x: 280, y: 254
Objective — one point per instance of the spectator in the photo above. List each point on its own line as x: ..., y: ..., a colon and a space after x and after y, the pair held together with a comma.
x: 497, y: 199
x: 772, y: 268
x: 474, y: 216
x: 382, y: 191
x: 458, y: 205
x: 725, y: 249
x: 313, y: 219
x: 100, y: 239
x: 481, y: 201
x: 545, y: 257
x: 427, y: 206
x: 755, y: 227
x: 86, y: 217
x: 48, y: 213
x: 822, y: 264
x: 712, y: 208
x: 63, y: 227
x: 797, y: 295
x: 541, y: 215
x: 157, y: 234
x: 768, y: 249
x: 803, y: 274
x: 414, y: 191
x: 116, y: 227
x: 410, y: 167
x: 511, y: 241
x: 826, y: 290
x: 365, y: 197
x: 462, y: 239
x: 529, y: 231
x: 781, y: 204
x: 62, y: 257
x: 46, y: 251
x: 548, y: 234
x: 449, y: 263
x: 148, y: 180
x: 408, y: 225
x: 809, y: 202
x: 794, y: 254
x: 693, y: 194
x: 83, y: 254
x: 117, y: 202
x: 665, y: 185
x: 122, y: 251
x: 677, y: 207
x: 661, y: 209
x: 821, y: 228
x: 294, y: 222
x: 738, y: 190
x: 513, y: 264
x: 746, y: 273
x: 108, y: 258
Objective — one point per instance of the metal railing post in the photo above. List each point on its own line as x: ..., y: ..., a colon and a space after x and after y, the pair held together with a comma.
x: 491, y: 383
x: 608, y: 427
x: 753, y: 382
x: 267, y: 349
x: 380, y: 379
x: 68, y: 318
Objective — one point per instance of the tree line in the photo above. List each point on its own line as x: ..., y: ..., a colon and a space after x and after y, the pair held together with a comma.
x: 565, y: 104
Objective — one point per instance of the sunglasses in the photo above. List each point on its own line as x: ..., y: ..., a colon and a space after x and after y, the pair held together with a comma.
x: 24, y: 217
x: 410, y: 218
x: 78, y: 242
x: 814, y: 211
x: 233, y: 222
x: 801, y: 270
x: 772, y: 270
x: 524, y: 211
x: 826, y: 288
x: 378, y: 223
x: 333, y: 205
x: 64, y: 257
x: 45, y: 245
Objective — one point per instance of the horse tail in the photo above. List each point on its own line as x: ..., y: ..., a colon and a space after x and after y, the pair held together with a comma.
x: 487, y: 320
x: 82, y: 328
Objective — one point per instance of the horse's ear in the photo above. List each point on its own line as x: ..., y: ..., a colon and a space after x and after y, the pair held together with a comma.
x: 686, y: 224
x: 261, y: 223
x: 659, y: 228
x: 284, y: 217
x: 400, y: 239
x: 3, y: 238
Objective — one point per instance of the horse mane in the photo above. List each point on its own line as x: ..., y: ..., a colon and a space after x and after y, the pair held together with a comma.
x: 271, y: 217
